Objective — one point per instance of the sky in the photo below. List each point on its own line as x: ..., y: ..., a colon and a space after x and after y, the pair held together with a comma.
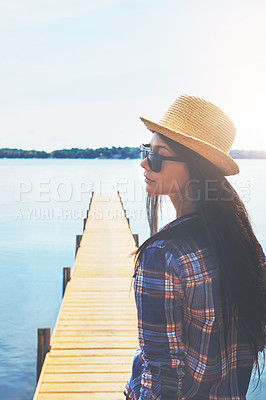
x: 80, y: 73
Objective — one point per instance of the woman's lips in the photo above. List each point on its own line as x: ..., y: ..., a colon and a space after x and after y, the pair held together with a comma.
x: 147, y: 180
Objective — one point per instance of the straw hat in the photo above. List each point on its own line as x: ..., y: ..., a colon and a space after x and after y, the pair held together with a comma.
x: 200, y: 126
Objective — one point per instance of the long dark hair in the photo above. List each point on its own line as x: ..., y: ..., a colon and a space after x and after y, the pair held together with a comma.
x: 238, y: 254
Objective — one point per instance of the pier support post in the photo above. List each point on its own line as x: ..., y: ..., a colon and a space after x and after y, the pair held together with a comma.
x: 84, y: 224
x: 43, y: 348
x: 92, y: 193
x: 66, y: 278
x: 78, y: 240
x: 136, y: 238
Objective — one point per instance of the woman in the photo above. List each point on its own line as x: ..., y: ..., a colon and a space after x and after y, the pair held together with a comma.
x: 200, y: 281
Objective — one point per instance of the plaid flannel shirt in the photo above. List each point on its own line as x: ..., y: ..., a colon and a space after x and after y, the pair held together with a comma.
x: 182, y: 352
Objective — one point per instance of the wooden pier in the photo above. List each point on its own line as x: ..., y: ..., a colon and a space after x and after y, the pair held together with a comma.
x: 95, y: 336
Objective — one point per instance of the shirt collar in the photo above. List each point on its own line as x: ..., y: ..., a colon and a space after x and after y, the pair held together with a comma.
x: 179, y: 220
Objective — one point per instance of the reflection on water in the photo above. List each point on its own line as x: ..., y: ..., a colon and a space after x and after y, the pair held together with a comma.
x: 42, y: 206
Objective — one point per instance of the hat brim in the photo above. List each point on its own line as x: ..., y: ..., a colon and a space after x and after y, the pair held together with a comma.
x: 217, y: 157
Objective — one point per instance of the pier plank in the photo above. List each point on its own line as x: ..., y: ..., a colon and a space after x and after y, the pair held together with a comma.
x: 81, y: 396
x: 80, y: 387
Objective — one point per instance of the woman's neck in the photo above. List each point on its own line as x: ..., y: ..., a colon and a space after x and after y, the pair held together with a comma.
x: 183, y: 205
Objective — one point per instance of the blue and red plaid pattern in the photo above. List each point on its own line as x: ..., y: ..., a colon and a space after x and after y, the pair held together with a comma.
x: 182, y: 352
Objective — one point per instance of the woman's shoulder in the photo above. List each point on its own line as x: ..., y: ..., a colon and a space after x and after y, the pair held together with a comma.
x: 181, y: 236
x: 185, y: 250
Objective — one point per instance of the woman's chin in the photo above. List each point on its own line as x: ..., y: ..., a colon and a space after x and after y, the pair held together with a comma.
x: 151, y: 190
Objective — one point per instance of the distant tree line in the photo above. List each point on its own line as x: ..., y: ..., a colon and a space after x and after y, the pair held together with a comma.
x: 104, y: 152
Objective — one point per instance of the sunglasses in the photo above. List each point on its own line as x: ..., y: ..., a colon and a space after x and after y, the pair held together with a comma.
x: 155, y: 159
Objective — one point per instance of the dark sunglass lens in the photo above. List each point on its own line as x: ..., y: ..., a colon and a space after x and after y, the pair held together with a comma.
x: 154, y: 161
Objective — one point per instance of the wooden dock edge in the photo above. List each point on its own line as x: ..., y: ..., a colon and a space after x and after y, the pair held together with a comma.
x: 136, y: 241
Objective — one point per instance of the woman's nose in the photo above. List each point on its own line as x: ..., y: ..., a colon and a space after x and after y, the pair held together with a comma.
x: 144, y: 164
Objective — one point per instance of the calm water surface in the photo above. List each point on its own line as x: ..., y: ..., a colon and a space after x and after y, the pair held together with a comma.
x: 42, y: 206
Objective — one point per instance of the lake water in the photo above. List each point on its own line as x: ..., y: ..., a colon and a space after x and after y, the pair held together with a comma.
x: 42, y: 206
